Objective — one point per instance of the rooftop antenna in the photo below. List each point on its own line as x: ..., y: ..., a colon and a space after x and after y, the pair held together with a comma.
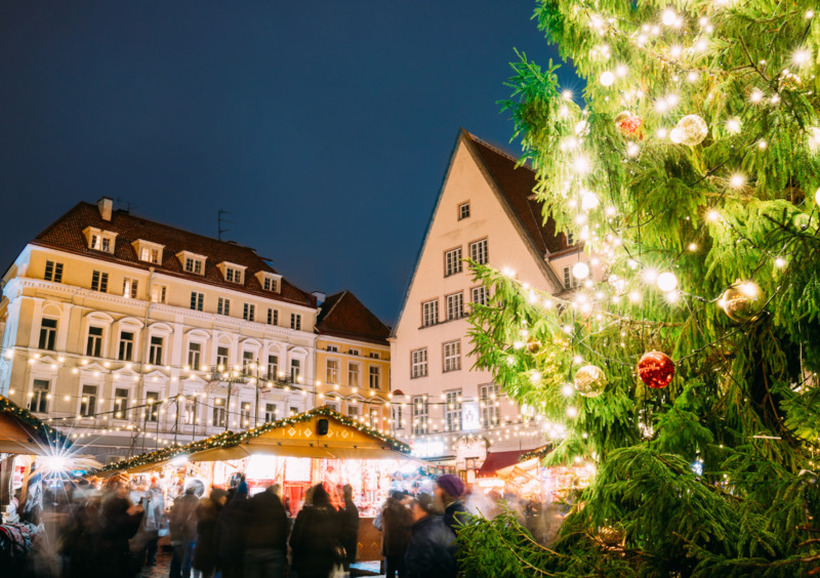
x: 219, y: 221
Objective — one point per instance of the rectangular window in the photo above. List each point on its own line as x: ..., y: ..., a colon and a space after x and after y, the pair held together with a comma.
x: 152, y: 407
x: 48, y: 333
x: 463, y: 211
x: 418, y: 363
x: 353, y: 411
x: 429, y: 313
x: 455, y: 306
x: 332, y: 371
x: 373, y: 416
x: 452, y: 410
x: 375, y: 377
x: 126, y: 346
x: 273, y: 316
x: 354, y: 352
x: 106, y: 244
x: 247, y: 362
x: 88, y: 401
x: 332, y: 348
x: 398, y: 419
x: 193, y: 266
x: 222, y: 358
x: 295, y: 370
x: 488, y: 395
x: 155, y: 352
x: 296, y: 321
x: 478, y: 252
x: 479, y: 295
x: 93, y: 347
x: 249, y: 312
x: 269, y: 284
x: 271, y: 412
x: 39, y: 398
x: 374, y: 355
x: 99, y: 281
x: 197, y: 300
x: 273, y: 367
x: 189, y: 416
x: 149, y: 254
x: 570, y: 282
x: 245, y: 414
x: 120, y: 403
x: 420, y: 415
x: 129, y: 288
x: 570, y: 239
x: 223, y: 306
x: 452, y: 262
x: 194, y: 355
x: 233, y: 275
x: 158, y: 293
x: 452, y: 355
x: 54, y: 272
x: 294, y: 410
x: 354, y: 372
x: 219, y: 415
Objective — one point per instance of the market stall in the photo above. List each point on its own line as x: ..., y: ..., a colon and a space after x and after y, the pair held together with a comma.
x: 318, y: 446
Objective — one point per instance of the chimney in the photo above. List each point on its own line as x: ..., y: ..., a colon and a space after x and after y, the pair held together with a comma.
x: 106, y: 206
x: 320, y: 297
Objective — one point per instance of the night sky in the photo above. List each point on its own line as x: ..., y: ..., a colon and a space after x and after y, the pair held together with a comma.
x: 324, y: 127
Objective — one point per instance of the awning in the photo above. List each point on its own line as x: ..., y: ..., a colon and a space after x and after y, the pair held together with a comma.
x: 497, y: 460
x: 22, y: 433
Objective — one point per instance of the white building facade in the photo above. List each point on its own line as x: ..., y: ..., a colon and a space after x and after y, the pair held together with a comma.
x: 485, y: 212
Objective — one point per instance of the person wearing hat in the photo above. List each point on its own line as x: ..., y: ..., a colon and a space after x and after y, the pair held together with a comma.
x: 449, y: 490
x: 432, y: 549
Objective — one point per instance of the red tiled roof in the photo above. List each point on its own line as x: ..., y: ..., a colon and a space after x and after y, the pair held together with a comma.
x: 66, y: 234
x: 517, y: 184
x: 343, y: 315
x: 497, y: 460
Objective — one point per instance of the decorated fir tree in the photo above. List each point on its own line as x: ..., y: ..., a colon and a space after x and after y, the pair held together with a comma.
x: 684, y: 365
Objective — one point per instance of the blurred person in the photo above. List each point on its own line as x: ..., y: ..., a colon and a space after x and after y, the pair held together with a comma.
x: 315, y: 536
x: 120, y: 521
x: 144, y: 543
x: 183, y: 531
x: 449, y: 490
x: 432, y: 548
x: 266, y: 536
x: 397, y: 518
x: 348, y: 526
x: 230, y: 543
x: 205, y: 560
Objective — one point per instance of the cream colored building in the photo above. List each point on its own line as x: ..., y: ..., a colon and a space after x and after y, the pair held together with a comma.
x: 353, y: 361
x: 130, y: 335
x: 486, y: 212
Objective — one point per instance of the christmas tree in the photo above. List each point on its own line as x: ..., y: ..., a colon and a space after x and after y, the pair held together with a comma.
x: 683, y: 367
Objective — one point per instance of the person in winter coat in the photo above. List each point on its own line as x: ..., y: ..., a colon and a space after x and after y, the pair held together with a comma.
x: 183, y: 532
x: 266, y: 536
x: 432, y: 549
x: 449, y: 489
x: 230, y: 541
x: 396, y: 521
x: 315, y: 537
x: 147, y: 537
x: 349, y: 526
x: 120, y: 521
x: 205, y: 552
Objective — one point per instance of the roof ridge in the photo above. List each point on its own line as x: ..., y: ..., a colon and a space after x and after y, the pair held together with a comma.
x: 336, y: 302
x: 499, y: 151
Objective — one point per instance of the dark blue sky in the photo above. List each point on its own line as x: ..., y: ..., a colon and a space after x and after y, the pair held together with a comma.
x: 324, y: 127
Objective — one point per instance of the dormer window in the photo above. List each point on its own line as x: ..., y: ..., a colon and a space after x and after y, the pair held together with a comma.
x: 148, y: 252
x: 100, y: 240
x: 232, y: 272
x: 270, y: 281
x: 192, y: 263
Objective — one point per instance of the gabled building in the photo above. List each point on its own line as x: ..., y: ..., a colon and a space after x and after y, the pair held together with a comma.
x: 353, y: 361
x: 133, y: 334
x: 485, y: 211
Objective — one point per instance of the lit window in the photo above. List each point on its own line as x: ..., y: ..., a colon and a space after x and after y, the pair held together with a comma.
x: 129, y: 288
x: 354, y: 371
x: 420, y: 414
x: 332, y: 374
x: 158, y: 293
x: 120, y: 403
x: 88, y: 401
x: 489, y: 406
x: 40, y: 394
x: 152, y: 405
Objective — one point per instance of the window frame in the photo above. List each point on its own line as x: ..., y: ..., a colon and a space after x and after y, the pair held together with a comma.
x: 475, y: 249
x: 418, y: 366
x: 38, y: 401
x: 453, y: 264
x: 48, y: 335
x: 431, y: 319
x: 452, y: 314
x: 451, y: 361
x: 375, y: 371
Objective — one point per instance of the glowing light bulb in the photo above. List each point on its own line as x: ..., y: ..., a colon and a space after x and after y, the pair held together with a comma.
x: 632, y: 150
x: 669, y: 17
x: 667, y: 282
x: 713, y: 215
x: 607, y: 78
x: 621, y: 70
x: 580, y: 270
x: 567, y: 95
x: 634, y: 296
x: 762, y: 144
x: 737, y: 180
x: 733, y: 125
x: 756, y: 96
x: 589, y: 201
x: 801, y: 57
x: 817, y: 196
x: 780, y: 262
x: 692, y: 247
x: 581, y: 165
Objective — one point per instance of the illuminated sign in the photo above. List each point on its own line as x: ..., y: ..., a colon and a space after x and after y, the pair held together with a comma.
x: 470, y: 416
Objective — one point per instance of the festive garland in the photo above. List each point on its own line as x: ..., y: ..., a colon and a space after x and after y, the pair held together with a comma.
x: 47, y: 434
x: 536, y: 453
x: 230, y: 439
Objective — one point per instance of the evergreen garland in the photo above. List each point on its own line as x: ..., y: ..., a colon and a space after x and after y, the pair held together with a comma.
x: 49, y: 436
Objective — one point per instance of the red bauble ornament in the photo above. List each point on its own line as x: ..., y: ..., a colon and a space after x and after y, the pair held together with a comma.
x: 629, y: 125
x: 656, y: 369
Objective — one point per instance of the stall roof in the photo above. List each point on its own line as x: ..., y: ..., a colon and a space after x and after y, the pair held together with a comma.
x: 292, y: 436
x: 22, y: 433
x: 496, y: 461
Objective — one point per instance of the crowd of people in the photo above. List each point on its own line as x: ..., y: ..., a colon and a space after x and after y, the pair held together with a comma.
x: 116, y: 532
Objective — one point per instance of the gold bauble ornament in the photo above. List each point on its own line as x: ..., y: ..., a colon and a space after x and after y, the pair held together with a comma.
x: 690, y: 131
x: 743, y: 302
x: 590, y: 381
x: 611, y: 536
x: 533, y: 346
